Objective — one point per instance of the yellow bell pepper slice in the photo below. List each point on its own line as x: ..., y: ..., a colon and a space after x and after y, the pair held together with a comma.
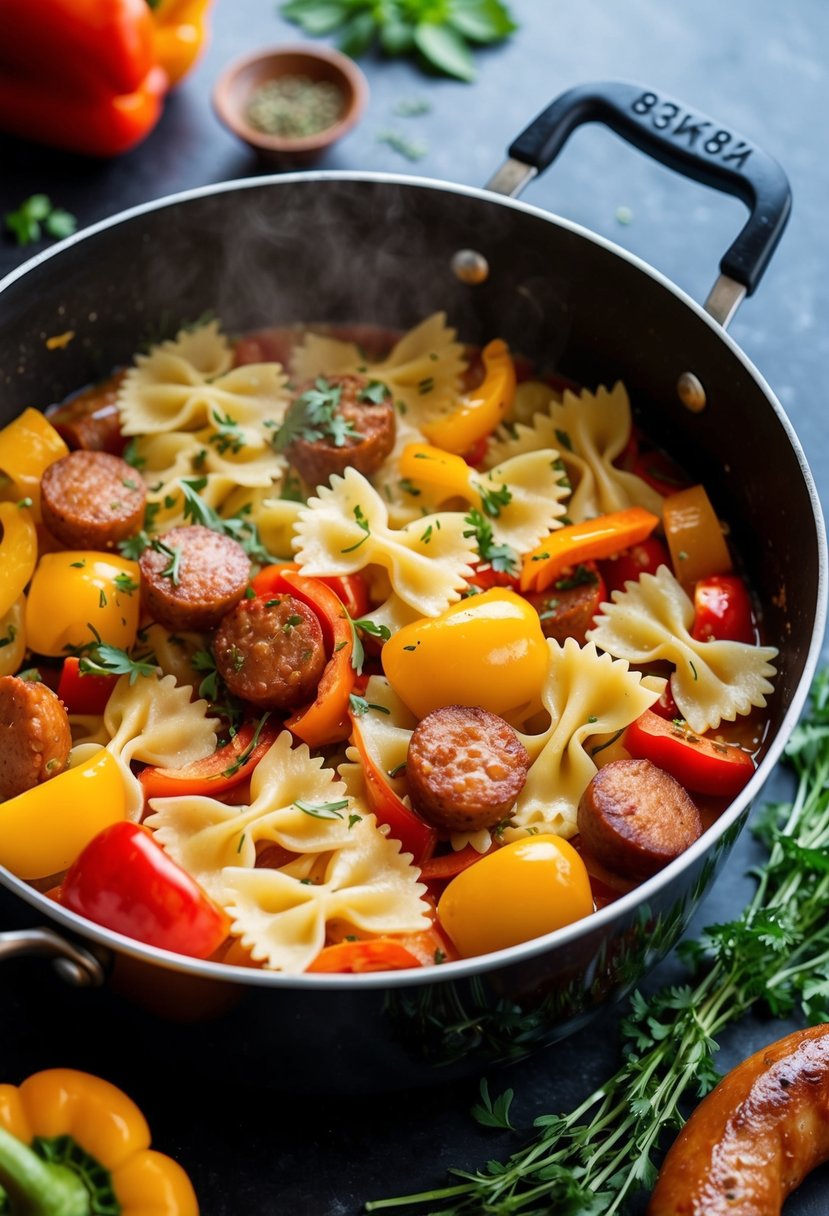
x: 28, y: 445
x: 478, y: 413
x: 43, y: 830
x: 18, y: 552
x: 488, y: 650
x: 585, y: 542
x: 13, y: 637
x: 694, y: 536
x: 77, y: 590
x: 431, y: 466
x: 103, y: 1125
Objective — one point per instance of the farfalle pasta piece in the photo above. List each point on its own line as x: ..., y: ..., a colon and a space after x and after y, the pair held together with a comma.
x: 587, y: 694
x: 590, y: 430
x: 205, y: 835
x: 422, y: 371
x: 714, y: 681
x: 346, y: 528
x: 367, y: 884
x: 190, y: 382
x: 154, y: 720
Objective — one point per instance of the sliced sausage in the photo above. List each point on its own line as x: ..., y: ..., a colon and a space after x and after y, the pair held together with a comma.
x: 465, y: 768
x: 34, y: 735
x: 336, y: 423
x: 270, y: 652
x: 191, y: 577
x: 90, y: 420
x: 635, y: 818
x: 754, y: 1138
x: 566, y: 609
x: 92, y: 500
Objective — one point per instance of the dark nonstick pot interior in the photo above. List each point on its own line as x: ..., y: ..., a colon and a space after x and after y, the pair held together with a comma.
x: 341, y: 248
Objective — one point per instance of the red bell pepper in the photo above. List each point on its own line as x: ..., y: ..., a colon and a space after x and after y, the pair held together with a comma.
x: 79, y: 74
x: 83, y: 694
x: 415, y: 835
x: 226, y: 768
x: 325, y: 720
x: 666, y: 706
x: 722, y: 610
x: 630, y: 564
x: 440, y: 869
x: 124, y: 881
x: 352, y: 592
x: 702, y: 765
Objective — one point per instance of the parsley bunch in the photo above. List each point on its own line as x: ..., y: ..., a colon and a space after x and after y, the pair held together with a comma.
x: 441, y: 32
x: 592, y: 1160
x: 37, y: 215
x: 313, y: 416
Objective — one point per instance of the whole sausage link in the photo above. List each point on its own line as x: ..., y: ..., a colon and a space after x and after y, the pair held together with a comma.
x: 754, y: 1138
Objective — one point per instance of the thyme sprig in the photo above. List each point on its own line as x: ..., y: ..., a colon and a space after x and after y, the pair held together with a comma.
x: 594, y: 1159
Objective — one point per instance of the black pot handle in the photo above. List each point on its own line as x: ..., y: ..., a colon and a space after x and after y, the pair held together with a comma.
x: 684, y: 140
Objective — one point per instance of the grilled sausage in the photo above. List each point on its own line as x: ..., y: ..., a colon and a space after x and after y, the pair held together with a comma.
x: 191, y: 577
x: 90, y: 420
x: 465, y: 768
x: 635, y: 818
x: 92, y: 500
x: 754, y: 1138
x: 270, y: 652
x: 566, y: 609
x: 34, y: 735
x: 355, y: 427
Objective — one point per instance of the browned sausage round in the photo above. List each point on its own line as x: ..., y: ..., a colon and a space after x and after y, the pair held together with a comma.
x: 191, y: 577
x: 465, y: 768
x: 92, y: 500
x: 635, y: 818
x: 754, y: 1138
x: 566, y: 609
x: 334, y: 423
x: 90, y: 419
x: 34, y: 735
x: 270, y: 652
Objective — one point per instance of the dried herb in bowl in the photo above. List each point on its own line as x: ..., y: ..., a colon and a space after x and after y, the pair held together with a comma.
x: 295, y: 106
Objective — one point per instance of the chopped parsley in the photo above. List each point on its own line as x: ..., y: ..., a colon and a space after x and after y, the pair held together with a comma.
x: 243, y: 758
x: 360, y: 706
x: 172, y: 570
x: 242, y: 530
x: 98, y: 658
x: 322, y: 810
x: 362, y: 523
x: 124, y: 583
x: 315, y: 416
x: 580, y: 576
x: 358, y: 654
x: 228, y: 437
x: 501, y: 558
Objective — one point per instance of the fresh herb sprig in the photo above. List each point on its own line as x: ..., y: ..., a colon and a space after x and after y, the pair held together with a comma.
x: 776, y: 953
x: 314, y: 416
x: 237, y: 527
x: 440, y: 34
x: 501, y: 558
x: 98, y: 658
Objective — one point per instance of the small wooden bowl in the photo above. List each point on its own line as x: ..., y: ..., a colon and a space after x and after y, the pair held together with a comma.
x: 237, y: 83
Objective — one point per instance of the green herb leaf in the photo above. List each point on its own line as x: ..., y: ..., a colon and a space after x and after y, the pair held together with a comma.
x: 493, y: 1112
x: 322, y: 810
x: 445, y: 49
x: 501, y: 558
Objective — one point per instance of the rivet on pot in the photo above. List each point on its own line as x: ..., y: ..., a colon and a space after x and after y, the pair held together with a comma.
x: 470, y: 266
x: 691, y: 393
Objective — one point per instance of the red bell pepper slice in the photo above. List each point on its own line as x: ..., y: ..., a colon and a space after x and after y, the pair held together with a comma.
x: 666, y: 706
x: 83, y: 694
x: 376, y: 954
x: 632, y: 563
x: 352, y: 592
x: 722, y: 610
x: 124, y: 881
x: 226, y: 768
x: 415, y: 835
x: 447, y: 865
x: 702, y: 765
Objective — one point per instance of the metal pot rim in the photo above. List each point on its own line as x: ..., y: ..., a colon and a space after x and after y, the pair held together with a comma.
x: 480, y: 965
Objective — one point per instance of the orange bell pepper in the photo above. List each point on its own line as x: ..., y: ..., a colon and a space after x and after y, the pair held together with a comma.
x: 375, y: 954
x: 226, y: 768
x: 584, y: 542
x: 694, y: 536
x: 325, y: 720
x: 71, y: 1144
x: 180, y: 35
x: 80, y: 74
x: 480, y: 411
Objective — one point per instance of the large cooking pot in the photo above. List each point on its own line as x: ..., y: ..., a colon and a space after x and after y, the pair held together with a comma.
x: 379, y: 248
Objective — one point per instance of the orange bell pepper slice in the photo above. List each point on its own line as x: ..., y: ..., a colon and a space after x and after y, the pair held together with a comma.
x: 375, y: 954
x: 588, y: 541
x: 480, y: 411
x: 326, y: 719
x: 694, y: 536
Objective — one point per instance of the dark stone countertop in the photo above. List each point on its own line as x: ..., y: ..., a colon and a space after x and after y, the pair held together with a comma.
x: 758, y: 67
